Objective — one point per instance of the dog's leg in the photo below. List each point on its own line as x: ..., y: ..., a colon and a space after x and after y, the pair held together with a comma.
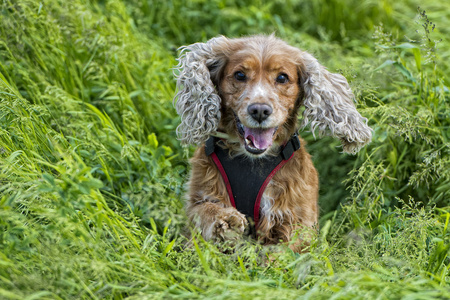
x: 216, y: 221
x: 301, y: 238
x: 208, y: 206
x: 298, y: 237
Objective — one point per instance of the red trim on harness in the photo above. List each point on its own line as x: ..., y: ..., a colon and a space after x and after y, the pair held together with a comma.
x: 263, y: 187
x: 224, y: 176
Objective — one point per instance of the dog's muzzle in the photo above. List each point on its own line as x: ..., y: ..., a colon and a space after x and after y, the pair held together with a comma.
x: 257, y: 140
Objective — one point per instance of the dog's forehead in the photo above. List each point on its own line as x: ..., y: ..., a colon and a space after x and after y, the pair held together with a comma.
x: 245, y: 59
x: 278, y: 63
x: 269, y: 61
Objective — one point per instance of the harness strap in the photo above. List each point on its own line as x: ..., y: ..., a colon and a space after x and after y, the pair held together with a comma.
x: 224, y: 176
x: 263, y: 188
x: 290, y: 147
x: 247, y: 175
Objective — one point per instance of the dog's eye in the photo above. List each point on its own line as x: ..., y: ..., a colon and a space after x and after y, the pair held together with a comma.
x: 282, y: 78
x: 240, y: 76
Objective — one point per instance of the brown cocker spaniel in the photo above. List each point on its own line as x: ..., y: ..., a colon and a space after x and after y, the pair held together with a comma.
x: 239, y: 101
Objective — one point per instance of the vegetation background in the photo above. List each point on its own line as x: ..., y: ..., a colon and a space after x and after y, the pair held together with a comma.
x: 91, y: 173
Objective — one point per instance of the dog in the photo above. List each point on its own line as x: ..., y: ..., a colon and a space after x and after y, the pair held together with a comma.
x: 239, y: 101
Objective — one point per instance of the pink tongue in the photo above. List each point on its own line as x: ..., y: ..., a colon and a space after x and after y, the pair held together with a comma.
x: 261, y: 138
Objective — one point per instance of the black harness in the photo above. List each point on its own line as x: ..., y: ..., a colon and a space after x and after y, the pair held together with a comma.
x: 246, y: 179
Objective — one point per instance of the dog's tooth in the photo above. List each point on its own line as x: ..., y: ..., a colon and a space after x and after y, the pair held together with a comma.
x: 247, y: 141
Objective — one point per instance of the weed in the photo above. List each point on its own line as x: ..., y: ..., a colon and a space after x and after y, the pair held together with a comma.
x: 92, y: 175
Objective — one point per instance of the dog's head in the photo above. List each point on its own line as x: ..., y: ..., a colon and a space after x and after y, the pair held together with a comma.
x: 251, y: 89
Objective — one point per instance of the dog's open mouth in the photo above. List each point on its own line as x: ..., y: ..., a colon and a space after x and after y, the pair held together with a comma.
x: 257, y: 140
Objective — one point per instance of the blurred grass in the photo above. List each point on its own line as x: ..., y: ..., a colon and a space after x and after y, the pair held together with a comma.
x: 92, y: 175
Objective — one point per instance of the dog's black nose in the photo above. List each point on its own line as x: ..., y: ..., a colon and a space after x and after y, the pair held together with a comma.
x: 259, y: 111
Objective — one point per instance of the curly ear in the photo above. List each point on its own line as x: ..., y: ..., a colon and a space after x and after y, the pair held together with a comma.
x: 328, y: 102
x: 198, y: 103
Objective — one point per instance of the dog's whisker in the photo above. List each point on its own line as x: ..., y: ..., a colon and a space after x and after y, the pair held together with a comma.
x: 221, y: 135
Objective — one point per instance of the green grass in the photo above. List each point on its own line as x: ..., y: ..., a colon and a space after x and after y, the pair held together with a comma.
x: 91, y: 173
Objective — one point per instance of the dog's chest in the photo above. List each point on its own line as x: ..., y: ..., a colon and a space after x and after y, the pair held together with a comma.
x: 247, y: 180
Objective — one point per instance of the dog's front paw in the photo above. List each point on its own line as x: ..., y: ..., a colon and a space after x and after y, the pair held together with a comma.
x: 229, y: 225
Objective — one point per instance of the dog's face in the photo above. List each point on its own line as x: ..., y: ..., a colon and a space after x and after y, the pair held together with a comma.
x: 251, y: 88
x: 259, y: 88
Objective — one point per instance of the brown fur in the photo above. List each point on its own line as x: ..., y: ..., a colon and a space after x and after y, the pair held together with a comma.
x: 289, y: 203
